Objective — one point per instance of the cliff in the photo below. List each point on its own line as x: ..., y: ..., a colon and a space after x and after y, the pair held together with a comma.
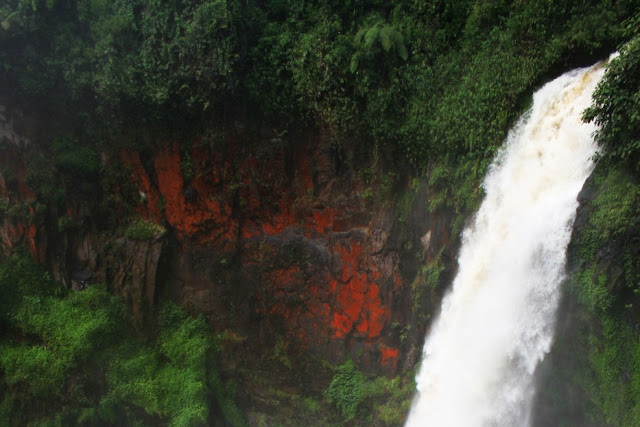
x: 590, y: 377
x: 300, y: 254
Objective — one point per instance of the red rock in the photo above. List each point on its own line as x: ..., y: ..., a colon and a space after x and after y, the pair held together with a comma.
x: 323, y: 220
x: 389, y: 357
x: 287, y: 226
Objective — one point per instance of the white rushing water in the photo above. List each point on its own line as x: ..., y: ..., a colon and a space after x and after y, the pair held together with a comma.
x: 497, y: 322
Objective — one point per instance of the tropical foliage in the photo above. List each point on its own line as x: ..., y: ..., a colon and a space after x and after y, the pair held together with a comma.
x: 616, y: 107
x: 412, y: 80
x: 380, y: 399
x: 70, y: 358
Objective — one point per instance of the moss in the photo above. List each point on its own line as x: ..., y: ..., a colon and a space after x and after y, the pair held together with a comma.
x: 64, y: 223
x: 386, y: 400
x: 592, y: 290
x: 187, y: 167
x: 405, y: 203
x: 17, y: 211
x: 613, y: 212
x: 225, y: 397
x: 347, y: 390
x: 395, y: 396
x: 426, y: 281
x: 311, y: 404
x: 280, y: 352
x: 142, y: 230
x: 454, y: 185
x: 602, y: 347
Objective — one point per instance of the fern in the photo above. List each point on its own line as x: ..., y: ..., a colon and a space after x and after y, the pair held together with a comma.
x: 372, y: 35
x: 353, y: 66
x: 401, y: 48
x: 375, y: 34
x: 387, y: 37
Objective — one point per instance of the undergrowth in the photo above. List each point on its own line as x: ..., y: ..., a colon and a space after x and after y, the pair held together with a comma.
x: 77, y: 352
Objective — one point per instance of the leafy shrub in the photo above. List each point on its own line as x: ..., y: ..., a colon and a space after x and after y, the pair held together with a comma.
x: 387, y: 400
x: 347, y: 390
x: 21, y: 277
x: 70, y: 330
x: 139, y: 377
x: 171, y: 382
x: 39, y: 369
x: 76, y: 159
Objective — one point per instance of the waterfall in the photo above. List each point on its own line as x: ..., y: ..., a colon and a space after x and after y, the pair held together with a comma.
x: 497, y: 321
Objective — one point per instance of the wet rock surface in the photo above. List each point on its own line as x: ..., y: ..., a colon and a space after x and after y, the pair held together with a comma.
x: 284, y: 247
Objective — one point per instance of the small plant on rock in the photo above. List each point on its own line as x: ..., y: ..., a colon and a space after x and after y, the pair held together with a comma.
x: 143, y: 229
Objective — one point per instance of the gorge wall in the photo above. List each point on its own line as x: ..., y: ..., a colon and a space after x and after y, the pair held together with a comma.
x: 300, y: 254
x: 590, y: 377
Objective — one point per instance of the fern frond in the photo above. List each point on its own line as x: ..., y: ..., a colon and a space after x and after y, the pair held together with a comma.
x: 353, y: 66
x: 373, y: 34
x: 386, y: 37
x: 402, y: 51
x: 360, y: 35
x: 398, y: 42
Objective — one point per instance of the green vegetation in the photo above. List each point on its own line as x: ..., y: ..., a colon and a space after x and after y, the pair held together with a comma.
x: 75, y: 351
x: 425, y: 284
x: 616, y: 107
x: 612, y: 380
x: 613, y: 210
x: 347, y: 390
x: 456, y: 187
x: 412, y: 80
x: 597, y: 356
x: 382, y: 399
x: 143, y: 229
x: 607, y: 284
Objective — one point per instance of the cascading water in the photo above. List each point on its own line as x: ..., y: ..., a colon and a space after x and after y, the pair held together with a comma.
x: 497, y: 322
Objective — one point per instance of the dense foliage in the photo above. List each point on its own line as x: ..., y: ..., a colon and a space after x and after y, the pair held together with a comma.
x: 409, y: 79
x: 616, y: 107
x: 70, y: 358
x: 125, y: 62
x: 383, y: 400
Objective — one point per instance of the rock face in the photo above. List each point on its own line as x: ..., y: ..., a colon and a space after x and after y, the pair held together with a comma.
x: 590, y: 365
x: 292, y: 248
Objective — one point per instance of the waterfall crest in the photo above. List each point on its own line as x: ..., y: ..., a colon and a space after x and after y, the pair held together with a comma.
x: 497, y: 322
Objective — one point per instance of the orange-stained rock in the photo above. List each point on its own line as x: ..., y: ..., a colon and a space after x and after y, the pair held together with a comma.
x: 251, y: 224
x: 324, y: 220
x: 170, y: 185
x: 267, y: 240
x: 389, y: 357
x: 206, y: 215
x: 358, y: 302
